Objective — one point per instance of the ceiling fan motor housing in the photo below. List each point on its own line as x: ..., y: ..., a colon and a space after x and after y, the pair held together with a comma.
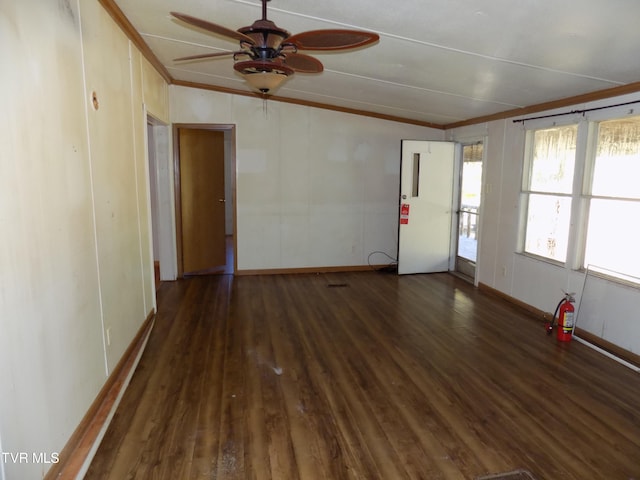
x: 267, y: 39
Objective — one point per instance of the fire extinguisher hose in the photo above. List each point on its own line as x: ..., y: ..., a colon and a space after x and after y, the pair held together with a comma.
x: 555, y: 314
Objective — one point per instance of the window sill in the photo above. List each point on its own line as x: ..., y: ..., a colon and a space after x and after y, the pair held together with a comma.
x: 538, y: 258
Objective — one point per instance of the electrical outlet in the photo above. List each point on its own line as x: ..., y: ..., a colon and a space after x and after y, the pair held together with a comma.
x: 108, y: 334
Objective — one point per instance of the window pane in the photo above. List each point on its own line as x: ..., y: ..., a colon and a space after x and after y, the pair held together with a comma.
x: 471, y: 191
x: 548, y: 226
x: 554, y: 154
x: 617, y: 164
x: 611, y: 241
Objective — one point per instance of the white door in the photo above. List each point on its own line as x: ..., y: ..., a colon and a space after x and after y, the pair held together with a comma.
x: 426, y: 199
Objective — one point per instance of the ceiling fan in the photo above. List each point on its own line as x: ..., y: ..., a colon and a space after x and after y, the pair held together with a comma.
x: 268, y: 54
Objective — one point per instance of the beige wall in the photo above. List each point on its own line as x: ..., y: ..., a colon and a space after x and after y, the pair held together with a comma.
x: 74, y: 215
x: 315, y: 188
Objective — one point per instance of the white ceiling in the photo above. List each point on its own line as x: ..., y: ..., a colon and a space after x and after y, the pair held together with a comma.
x: 438, y: 61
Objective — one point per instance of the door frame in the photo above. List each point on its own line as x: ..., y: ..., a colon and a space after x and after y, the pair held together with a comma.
x: 455, y: 259
x: 230, y: 177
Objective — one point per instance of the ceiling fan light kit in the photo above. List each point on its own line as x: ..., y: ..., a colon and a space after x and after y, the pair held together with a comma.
x: 273, y: 52
x: 263, y: 76
x: 265, y: 82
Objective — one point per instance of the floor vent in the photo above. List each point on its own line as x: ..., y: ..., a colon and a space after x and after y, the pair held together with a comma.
x: 337, y: 285
x: 515, y: 475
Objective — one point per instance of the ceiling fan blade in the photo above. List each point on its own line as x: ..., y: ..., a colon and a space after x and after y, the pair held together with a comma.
x: 332, y: 39
x: 208, y: 55
x: 213, y: 28
x: 303, y: 63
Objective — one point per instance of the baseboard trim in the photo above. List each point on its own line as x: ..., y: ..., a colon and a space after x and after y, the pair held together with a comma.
x: 156, y: 274
x: 609, y: 347
x: 289, y: 271
x: 534, y: 312
x: 601, y: 343
x: 76, y: 455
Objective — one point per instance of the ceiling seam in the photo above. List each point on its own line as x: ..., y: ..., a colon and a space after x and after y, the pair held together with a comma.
x: 435, y: 45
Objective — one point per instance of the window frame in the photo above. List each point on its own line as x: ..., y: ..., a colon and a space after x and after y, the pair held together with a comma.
x: 526, y: 191
x: 581, y: 194
x: 587, y: 196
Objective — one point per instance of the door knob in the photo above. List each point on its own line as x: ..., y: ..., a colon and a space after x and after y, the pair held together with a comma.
x: 221, y: 200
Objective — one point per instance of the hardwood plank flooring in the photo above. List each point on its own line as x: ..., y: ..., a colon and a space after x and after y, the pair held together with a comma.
x: 364, y: 376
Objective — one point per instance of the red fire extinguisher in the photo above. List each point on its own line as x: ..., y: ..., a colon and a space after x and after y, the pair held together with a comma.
x: 565, y: 313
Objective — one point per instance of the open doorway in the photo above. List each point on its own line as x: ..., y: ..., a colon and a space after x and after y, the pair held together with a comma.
x: 153, y: 199
x: 160, y: 199
x: 469, y: 209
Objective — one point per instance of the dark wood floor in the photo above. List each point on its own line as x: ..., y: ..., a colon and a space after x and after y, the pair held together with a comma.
x: 364, y: 376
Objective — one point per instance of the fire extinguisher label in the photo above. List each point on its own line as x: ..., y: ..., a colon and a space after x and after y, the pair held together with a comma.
x: 568, y: 320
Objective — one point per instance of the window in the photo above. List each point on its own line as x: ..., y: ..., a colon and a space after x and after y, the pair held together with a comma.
x: 547, y: 191
x: 613, y: 193
x: 604, y: 198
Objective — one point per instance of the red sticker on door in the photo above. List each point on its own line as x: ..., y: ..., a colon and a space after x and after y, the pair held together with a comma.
x: 404, y: 214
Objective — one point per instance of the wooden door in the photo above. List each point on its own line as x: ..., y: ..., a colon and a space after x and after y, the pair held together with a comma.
x: 202, y: 200
x: 426, y: 191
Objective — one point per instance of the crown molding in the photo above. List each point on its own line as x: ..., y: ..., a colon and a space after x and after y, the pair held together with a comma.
x: 116, y: 13
x: 306, y: 103
x: 133, y: 35
x: 542, y: 107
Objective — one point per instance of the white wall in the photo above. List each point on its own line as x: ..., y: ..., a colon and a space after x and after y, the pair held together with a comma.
x: 609, y: 310
x: 76, y: 246
x: 315, y: 188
